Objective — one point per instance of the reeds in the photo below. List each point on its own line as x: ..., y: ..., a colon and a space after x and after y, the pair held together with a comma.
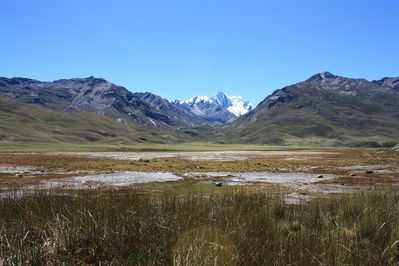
x: 243, y: 228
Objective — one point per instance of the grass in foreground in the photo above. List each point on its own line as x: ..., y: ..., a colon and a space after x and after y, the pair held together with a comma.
x: 128, y: 227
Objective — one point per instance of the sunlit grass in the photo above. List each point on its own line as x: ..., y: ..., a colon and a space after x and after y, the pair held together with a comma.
x: 189, y: 146
x: 129, y: 227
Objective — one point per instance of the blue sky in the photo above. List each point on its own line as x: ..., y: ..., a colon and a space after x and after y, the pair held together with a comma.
x: 179, y: 49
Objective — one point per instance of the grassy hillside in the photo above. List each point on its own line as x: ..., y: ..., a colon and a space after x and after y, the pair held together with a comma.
x: 28, y: 127
x: 25, y: 123
x: 325, y: 110
x: 301, y: 127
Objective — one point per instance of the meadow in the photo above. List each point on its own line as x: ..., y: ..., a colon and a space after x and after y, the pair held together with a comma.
x: 194, y: 222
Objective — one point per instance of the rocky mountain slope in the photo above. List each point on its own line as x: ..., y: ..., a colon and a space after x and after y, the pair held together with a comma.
x: 99, y: 96
x: 220, y: 107
x: 324, y: 110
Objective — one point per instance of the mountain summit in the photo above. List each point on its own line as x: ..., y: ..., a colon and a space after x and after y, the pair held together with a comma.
x: 325, y: 108
x: 322, y: 76
x: 234, y: 104
x: 220, y: 107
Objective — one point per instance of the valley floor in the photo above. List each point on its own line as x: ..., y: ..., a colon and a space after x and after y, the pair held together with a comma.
x: 321, y: 198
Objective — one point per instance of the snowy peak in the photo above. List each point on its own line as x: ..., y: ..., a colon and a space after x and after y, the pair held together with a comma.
x: 220, y: 107
x: 234, y: 104
x: 222, y: 99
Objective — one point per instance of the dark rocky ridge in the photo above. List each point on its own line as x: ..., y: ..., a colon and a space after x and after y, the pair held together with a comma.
x: 99, y: 96
x: 324, y: 109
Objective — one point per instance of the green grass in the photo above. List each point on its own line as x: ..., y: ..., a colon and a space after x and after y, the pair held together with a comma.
x: 32, y: 127
x: 22, y: 146
x: 231, y: 227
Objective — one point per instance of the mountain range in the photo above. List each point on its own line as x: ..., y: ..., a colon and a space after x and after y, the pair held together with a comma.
x: 99, y: 96
x: 323, y: 110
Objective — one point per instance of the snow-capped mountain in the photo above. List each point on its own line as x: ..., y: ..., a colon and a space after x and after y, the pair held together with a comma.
x: 234, y: 104
x: 220, y: 107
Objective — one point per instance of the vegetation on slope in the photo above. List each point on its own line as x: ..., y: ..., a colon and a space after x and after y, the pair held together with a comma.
x: 26, y: 123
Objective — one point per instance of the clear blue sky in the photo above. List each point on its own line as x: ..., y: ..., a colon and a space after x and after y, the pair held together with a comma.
x: 179, y: 49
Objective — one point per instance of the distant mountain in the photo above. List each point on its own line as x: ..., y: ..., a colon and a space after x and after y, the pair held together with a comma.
x: 99, y: 96
x: 324, y: 110
x: 220, y: 107
x: 234, y: 104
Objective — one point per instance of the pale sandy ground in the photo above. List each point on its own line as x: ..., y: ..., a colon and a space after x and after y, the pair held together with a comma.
x: 203, y: 156
x: 294, y: 180
x: 288, y: 179
x: 118, y: 179
x: 13, y: 169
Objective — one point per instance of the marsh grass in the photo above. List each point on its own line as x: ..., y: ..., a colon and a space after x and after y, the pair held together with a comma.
x: 130, y: 227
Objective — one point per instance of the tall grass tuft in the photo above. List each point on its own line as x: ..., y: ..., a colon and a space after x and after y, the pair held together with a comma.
x: 229, y: 228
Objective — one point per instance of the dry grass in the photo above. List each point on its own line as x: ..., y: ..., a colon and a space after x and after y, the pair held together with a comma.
x: 325, y: 163
x: 128, y: 227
